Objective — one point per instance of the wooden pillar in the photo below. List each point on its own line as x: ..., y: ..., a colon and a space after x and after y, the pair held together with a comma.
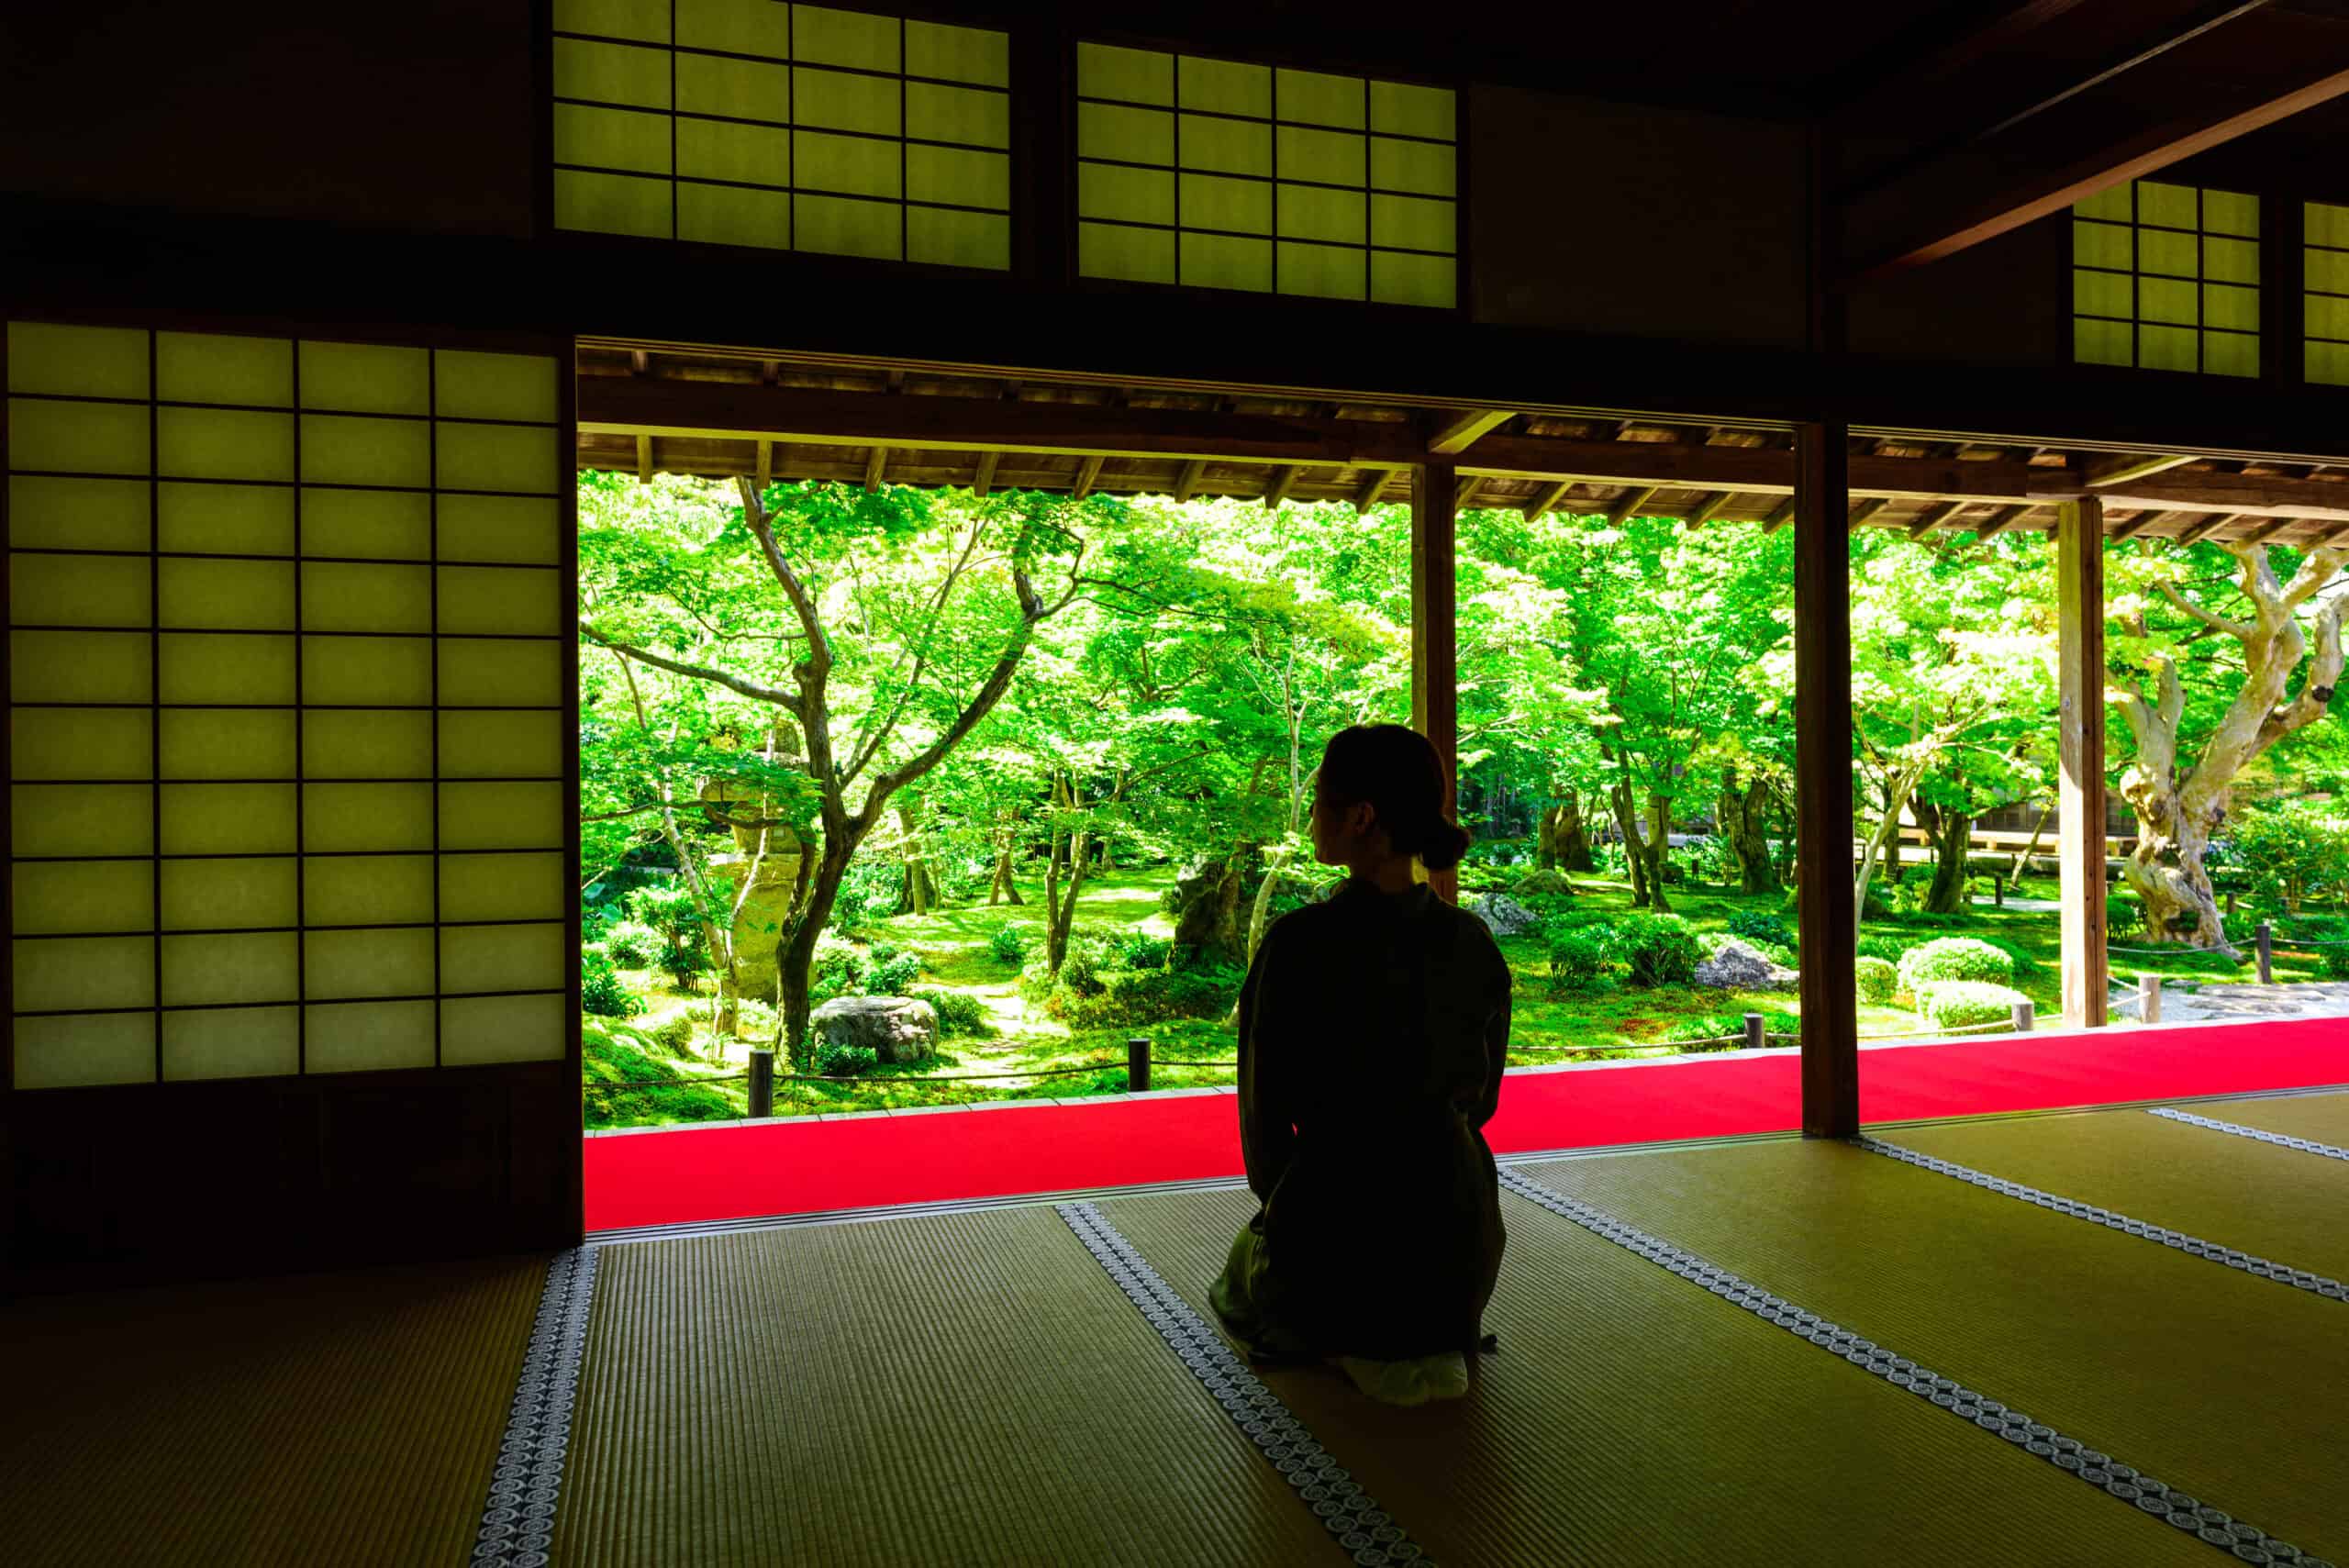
x: 1435, y: 669
x: 2079, y: 717
x: 1831, y: 1037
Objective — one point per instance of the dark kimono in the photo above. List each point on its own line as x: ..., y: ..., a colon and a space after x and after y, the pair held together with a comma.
x: 1372, y: 1031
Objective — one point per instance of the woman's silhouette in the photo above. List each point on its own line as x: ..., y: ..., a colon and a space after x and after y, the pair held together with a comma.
x: 1373, y: 1029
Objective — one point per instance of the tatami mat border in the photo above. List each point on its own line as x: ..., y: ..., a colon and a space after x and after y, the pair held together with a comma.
x: 2192, y: 1246
x: 2281, y: 1140
x: 518, y: 1523
x: 1357, y: 1523
x: 2221, y: 1529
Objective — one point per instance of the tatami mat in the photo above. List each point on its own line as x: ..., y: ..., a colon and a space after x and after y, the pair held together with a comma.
x: 2257, y: 1198
x: 348, y: 1417
x: 1633, y: 1418
x: 2218, y: 1384
x: 2321, y: 1118
x: 965, y: 1388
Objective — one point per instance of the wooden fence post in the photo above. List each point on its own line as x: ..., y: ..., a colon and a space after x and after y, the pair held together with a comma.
x: 1137, y: 1065
x: 762, y: 1084
x: 2149, y: 998
x: 2024, y: 1015
x: 2266, y: 954
x: 1756, y: 1036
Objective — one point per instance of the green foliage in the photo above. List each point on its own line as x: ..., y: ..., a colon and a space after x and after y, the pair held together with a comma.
x: 1877, y: 979
x: 1659, y: 949
x: 1954, y: 957
x: 959, y: 1012
x: 602, y: 992
x: 870, y: 893
x: 1578, y: 956
x: 889, y: 976
x: 632, y: 944
x: 626, y: 1082
x: 1953, y: 1004
x: 1128, y: 996
x: 1752, y: 926
x: 675, y: 1034
x: 838, y: 970
x: 2025, y: 965
x: 2289, y: 851
x: 1142, y: 950
x: 845, y: 1061
x: 668, y: 908
x: 1889, y: 948
x: 1009, y: 944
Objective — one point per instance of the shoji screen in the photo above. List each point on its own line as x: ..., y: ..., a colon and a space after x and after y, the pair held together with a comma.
x: 288, y: 770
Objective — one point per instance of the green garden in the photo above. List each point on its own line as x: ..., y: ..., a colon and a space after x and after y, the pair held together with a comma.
x: 943, y: 797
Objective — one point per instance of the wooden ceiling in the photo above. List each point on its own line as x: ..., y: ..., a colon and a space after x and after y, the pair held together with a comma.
x: 717, y: 413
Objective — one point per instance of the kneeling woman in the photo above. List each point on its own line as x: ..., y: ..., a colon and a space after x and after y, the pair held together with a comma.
x: 1372, y: 1030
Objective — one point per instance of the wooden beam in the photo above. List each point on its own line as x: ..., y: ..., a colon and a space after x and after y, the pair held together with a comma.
x: 2205, y: 529
x: 1921, y: 219
x: 1463, y: 432
x: 1831, y: 1035
x: 1088, y: 472
x: 1780, y: 516
x: 1702, y: 512
x: 1627, y: 504
x: 1999, y: 521
x: 1186, y: 484
x: 1435, y: 673
x: 644, y: 460
x: 985, y: 475
x: 2120, y: 469
x: 1866, y: 511
x: 1372, y: 483
x: 1760, y: 470
x: 1284, y: 479
x: 2268, y: 530
x: 1935, y: 516
x: 876, y: 468
x: 767, y: 465
x: 2136, y: 524
x: 2080, y: 720
x: 1896, y: 77
x: 1465, y: 497
x: 1551, y: 495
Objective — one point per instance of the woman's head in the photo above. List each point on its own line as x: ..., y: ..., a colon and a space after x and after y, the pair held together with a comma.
x: 1380, y: 792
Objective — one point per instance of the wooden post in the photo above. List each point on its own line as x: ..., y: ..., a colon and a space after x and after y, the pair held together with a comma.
x: 762, y: 1084
x: 2079, y: 611
x: 1137, y: 1065
x: 1756, y: 1036
x: 2267, y: 935
x: 2025, y: 1017
x: 2149, y: 998
x: 1831, y: 1026
x: 1435, y: 686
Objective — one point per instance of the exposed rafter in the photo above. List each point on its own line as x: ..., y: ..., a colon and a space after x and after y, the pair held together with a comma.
x: 1461, y: 433
x: 2204, y: 528
x: 876, y: 468
x: 644, y: 460
x: 1999, y: 521
x: 1630, y: 503
x: 1935, y: 516
x: 2142, y: 522
x: 1186, y: 484
x: 985, y: 475
x: 1283, y: 481
x: 1089, y: 474
x: 1702, y: 512
x: 2268, y: 530
x: 1866, y: 509
x: 766, y: 464
x: 2120, y: 469
x: 1548, y: 496
x: 1467, y: 495
x: 1780, y: 516
x: 1372, y: 483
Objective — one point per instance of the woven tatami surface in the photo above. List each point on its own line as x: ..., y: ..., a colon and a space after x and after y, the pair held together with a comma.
x: 348, y: 1417
x: 2274, y: 1203
x: 967, y: 1389
x: 2324, y: 1118
x: 1633, y: 1418
x: 2221, y: 1385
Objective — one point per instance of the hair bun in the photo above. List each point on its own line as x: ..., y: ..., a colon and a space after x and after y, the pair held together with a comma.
x: 1446, y: 842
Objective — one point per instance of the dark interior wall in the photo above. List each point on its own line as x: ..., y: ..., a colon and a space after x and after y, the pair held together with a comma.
x: 419, y: 115
x: 2004, y: 302
x: 1639, y: 221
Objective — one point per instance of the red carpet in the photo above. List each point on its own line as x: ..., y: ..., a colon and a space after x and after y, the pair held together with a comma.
x: 799, y: 1167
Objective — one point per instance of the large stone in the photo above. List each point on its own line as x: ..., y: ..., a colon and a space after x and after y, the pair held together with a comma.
x: 1504, y: 916
x: 897, y: 1028
x: 1736, y: 967
x: 1548, y: 883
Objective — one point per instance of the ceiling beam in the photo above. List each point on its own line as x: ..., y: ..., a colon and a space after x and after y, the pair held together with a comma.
x: 2253, y: 494
x: 1627, y: 504
x: 767, y: 465
x: 1702, y: 512
x: 2268, y: 530
x: 1935, y: 515
x: 1284, y: 479
x: 1466, y: 494
x: 1893, y: 79
x: 1780, y: 516
x: 2121, y: 468
x: 1549, y: 496
x: 1186, y: 484
x: 644, y: 460
x: 1372, y: 483
x: 2205, y: 529
x: 2142, y: 522
x: 1999, y: 521
x: 876, y: 468
x: 985, y: 475
x: 2279, y: 62
x: 1088, y: 472
x: 1463, y: 432
x: 1866, y: 511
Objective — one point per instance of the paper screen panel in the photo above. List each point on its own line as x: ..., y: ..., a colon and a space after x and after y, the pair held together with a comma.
x: 2165, y: 277
x: 759, y: 124
x: 2324, y: 342
x: 1352, y: 181
x: 475, y: 1031
x: 246, y: 637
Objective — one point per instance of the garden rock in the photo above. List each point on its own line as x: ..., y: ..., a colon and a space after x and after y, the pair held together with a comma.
x: 1552, y: 882
x: 1504, y: 916
x: 1736, y: 967
x: 897, y: 1028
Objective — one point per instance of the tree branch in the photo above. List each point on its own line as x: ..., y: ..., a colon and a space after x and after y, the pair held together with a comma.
x: 787, y: 701
x: 2216, y: 622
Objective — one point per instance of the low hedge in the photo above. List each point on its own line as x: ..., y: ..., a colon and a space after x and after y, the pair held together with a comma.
x: 1877, y: 979
x: 1955, y: 958
x: 1955, y: 1004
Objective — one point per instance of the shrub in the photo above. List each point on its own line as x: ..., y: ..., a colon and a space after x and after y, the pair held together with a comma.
x: 1716, y: 1027
x: 838, y: 970
x: 1877, y: 979
x: 1660, y: 949
x: 1009, y: 944
x: 845, y: 1061
x: 2024, y: 964
x: 1752, y: 926
x: 602, y: 992
x: 1953, y: 1004
x: 1146, y: 996
x: 1141, y: 949
x: 1578, y: 959
x: 1889, y: 948
x: 959, y: 1012
x: 870, y: 893
x: 1954, y: 957
x: 889, y: 976
x: 675, y: 1034
x: 634, y: 944
x: 669, y: 909
x: 2291, y: 851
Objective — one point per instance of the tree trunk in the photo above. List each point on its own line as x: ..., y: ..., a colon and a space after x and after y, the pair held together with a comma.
x: 1659, y: 852
x: 1060, y: 907
x: 1627, y: 824
x: 919, y: 894
x: 1952, y: 845
x: 1573, y: 836
x: 1207, y: 922
x: 1546, y: 837
x: 2165, y: 870
x: 2022, y: 861
x: 1754, y: 871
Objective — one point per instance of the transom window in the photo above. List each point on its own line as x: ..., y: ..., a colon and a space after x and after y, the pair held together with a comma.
x: 1217, y: 174
x: 2324, y: 301
x: 2166, y: 277
x: 800, y: 128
